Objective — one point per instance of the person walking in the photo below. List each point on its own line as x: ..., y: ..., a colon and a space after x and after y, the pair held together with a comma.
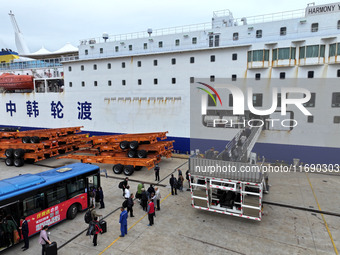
x: 101, y: 197
x: 123, y: 184
x: 94, y: 213
x: 123, y: 222
x: 151, y: 212
x: 179, y: 172
x: 92, y: 195
x: 157, y: 172
x: 180, y: 183
x: 144, y: 200
x: 173, y: 184
x: 43, y: 239
x: 127, y: 192
x: 139, y: 190
x: 130, y: 204
x: 24, y: 232
x: 151, y: 190
x: 157, y: 198
x: 97, y: 230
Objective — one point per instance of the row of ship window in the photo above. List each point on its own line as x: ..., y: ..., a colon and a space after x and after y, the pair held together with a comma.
x: 214, y: 39
x: 311, y: 51
x: 282, y: 75
x: 155, y: 62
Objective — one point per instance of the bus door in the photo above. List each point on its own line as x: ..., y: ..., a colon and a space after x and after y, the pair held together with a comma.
x: 10, y: 211
x: 91, y: 182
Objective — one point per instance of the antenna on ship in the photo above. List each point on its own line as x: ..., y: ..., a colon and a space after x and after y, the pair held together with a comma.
x: 149, y: 31
x: 19, y: 38
x: 105, y: 36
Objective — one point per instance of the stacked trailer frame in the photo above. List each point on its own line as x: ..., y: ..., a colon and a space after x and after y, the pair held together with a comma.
x: 241, y: 191
x: 36, y: 145
x: 121, y: 151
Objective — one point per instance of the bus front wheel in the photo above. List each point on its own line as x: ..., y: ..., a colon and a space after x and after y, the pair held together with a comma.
x: 72, y: 212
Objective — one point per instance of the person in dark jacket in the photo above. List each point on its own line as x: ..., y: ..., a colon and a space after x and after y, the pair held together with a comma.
x: 173, y: 184
x: 151, y: 190
x: 101, y: 197
x: 157, y: 172
x: 144, y: 199
x: 24, y: 232
x: 97, y: 230
x: 130, y: 205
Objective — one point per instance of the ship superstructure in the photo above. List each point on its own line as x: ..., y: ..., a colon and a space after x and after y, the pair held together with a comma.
x: 142, y: 82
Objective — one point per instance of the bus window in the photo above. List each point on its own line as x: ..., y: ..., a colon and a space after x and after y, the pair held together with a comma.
x: 33, y: 204
x: 75, y: 187
x: 56, y: 195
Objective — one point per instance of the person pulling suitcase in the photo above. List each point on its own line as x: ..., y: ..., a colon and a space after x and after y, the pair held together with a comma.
x: 44, y: 240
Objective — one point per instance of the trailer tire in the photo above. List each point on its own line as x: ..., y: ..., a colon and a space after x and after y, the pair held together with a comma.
x: 19, y: 153
x: 72, y: 212
x: 128, y: 170
x: 132, y: 154
x: 142, y: 154
x: 118, y: 168
x: 26, y: 139
x: 18, y: 162
x: 9, y: 161
x: 9, y: 153
x: 124, y: 145
x: 35, y: 139
x: 134, y: 145
x: 137, y: 168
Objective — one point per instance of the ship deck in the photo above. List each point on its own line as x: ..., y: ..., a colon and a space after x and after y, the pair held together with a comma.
x: 291, y: 223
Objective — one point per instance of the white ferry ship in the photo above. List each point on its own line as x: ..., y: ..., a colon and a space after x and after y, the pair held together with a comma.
x: 142, y: 82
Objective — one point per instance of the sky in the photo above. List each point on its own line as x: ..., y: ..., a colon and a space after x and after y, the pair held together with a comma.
x: 54, y: 23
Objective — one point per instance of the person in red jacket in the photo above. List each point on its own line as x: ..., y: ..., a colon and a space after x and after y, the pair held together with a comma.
x: 97, y: 230
x: 151, y: 212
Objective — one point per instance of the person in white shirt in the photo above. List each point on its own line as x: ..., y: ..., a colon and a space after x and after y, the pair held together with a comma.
x: 127, y: 192
x: 157, y: 197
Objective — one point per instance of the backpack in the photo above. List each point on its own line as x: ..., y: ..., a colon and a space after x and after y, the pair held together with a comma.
x: 92, y: 229
x: 120, y: 185
x: 125, y: 203
x: 88, y: 217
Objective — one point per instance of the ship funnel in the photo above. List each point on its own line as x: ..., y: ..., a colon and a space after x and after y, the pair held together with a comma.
x: 149, y: 31
x: 244, y: 20
x: 105, y: 36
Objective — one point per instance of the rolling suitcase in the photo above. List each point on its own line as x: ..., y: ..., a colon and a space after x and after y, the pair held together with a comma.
x: 103, y: 224
x: 51, y: 249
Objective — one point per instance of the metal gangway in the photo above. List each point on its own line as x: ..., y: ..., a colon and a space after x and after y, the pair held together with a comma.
x: 240, y: 147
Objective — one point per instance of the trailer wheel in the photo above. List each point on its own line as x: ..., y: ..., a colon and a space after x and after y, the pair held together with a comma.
x: 128, y: 170
x: 134, y: 145
x: 35, y: 139
x: 72, y: 212
x: 124, y: 145
x: 137, y: 168
x: 118, y: 169
x: 18, y: 162
x: 19, y: 153
x: 26, y: 139
x: 142, y: 154
x: 132, y: 154
x: 9, y: 161
x: 9, y: 153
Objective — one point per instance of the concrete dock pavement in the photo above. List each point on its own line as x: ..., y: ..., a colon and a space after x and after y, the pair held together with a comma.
x: 181, y: 229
